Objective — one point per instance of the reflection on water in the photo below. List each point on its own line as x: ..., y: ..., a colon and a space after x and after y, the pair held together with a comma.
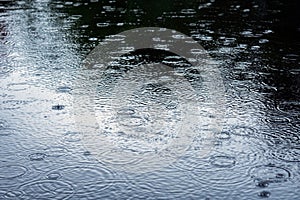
x: 255, y: 43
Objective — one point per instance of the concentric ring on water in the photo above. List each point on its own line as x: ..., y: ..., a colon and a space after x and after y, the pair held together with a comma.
x: 47, y: 189
x: 144, y: 117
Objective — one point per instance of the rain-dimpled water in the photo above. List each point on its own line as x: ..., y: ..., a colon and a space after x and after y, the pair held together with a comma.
x: 164, y: 129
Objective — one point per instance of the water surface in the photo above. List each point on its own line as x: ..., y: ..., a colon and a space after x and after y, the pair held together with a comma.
x: 256, y: 47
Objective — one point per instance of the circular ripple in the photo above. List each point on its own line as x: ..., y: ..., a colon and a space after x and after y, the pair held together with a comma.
x: 283, y: 137
x: 12, y: 171
x: 228, y: 166
x: 85, y: 179
x: 223, y: 135
x: 5, y: 70
x: 14, y: 104
x: 47, y: 189
x: 278, y: 120
x: 170, y: 108
x: 291, y: 108
x: 270, y: 173
x: 72, y: 137
x: 37, y: 156
x: 13, y: 195
x: 18, y: 86
x: 131, y: 121
x: 3, y: 124
x: 53, y: 176
x: 7, y: 132
x: 222, y: 161
x: 243, y: 131
x: 289, y: 154
x: 64, y: 89
x: 56, y: 151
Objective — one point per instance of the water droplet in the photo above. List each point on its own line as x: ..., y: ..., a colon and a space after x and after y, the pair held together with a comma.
x: 58, y: 107
x: 264, y: 194
x: 93, y: 39
x: 267, y: 32
x: 263, y: 41
x: 247, y: 33
x: 262, y: 184
x: 87, y: 153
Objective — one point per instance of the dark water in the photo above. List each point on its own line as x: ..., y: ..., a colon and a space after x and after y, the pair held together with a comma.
x: 256, y: 46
